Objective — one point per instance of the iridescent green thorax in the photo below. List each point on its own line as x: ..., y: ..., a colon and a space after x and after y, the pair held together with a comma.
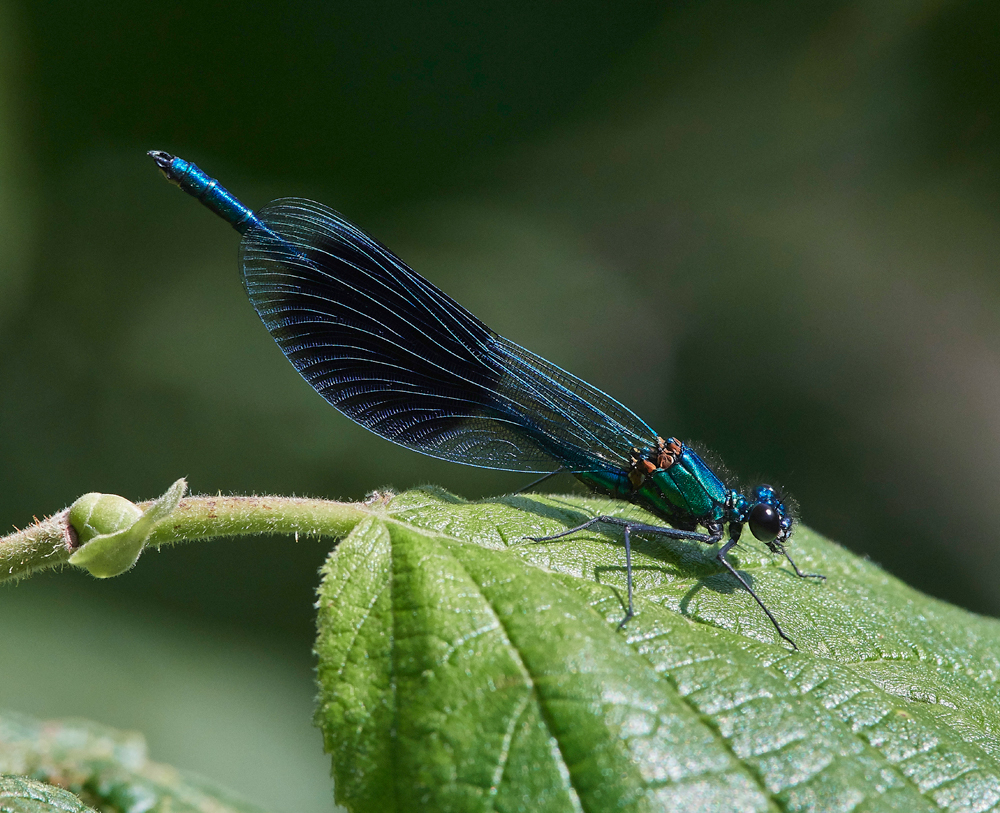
x: 671, y: 481
x: 679, y: 485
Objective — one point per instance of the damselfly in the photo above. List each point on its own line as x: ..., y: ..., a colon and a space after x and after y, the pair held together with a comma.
x: 403, y: 359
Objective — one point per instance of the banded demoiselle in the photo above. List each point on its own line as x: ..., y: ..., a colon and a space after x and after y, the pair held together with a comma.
x: 403, y: 359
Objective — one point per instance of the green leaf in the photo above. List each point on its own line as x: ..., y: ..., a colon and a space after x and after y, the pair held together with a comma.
x: 464, y: 668
x: 20, y: 795
x: 107, y: 769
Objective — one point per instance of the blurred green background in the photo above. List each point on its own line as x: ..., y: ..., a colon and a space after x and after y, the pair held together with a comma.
x: 772, y: 227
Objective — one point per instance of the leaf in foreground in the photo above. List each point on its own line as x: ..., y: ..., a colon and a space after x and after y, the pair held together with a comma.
x: 20, y: 795
x: 463, y: 668
x: 104, y: 768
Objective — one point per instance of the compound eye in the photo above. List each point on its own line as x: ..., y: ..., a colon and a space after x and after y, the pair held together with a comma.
x: 765, y: 523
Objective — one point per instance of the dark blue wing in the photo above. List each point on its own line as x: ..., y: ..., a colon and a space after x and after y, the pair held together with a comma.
x: 403, y: 359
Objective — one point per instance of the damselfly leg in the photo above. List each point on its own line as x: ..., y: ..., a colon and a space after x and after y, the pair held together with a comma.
x: 629, y: 528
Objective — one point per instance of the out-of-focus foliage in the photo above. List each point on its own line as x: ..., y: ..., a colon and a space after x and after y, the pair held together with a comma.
x: 771, y: 227
x: 109, y: 769
x: 232, y: 706
x: 20, y: 795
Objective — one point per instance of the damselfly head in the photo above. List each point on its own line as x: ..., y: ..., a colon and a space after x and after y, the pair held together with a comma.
x: 768, y: 519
